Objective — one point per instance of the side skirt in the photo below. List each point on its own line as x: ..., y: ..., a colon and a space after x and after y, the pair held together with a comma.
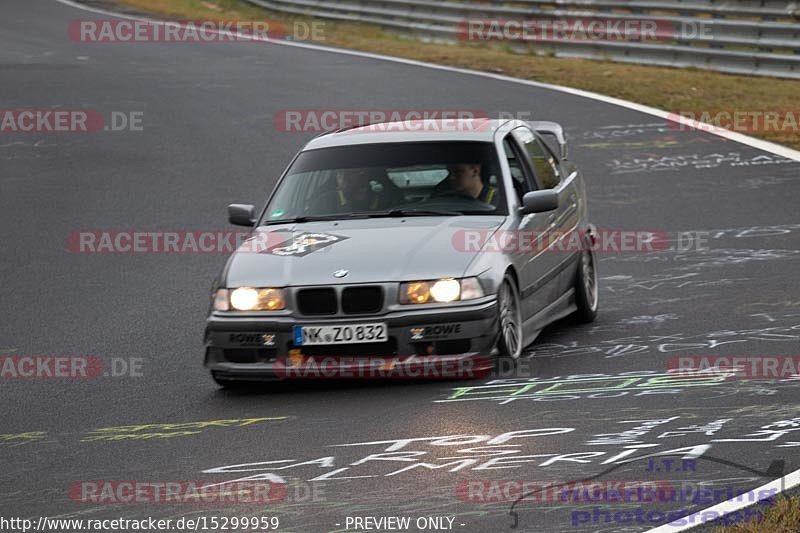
x: 562, y: 307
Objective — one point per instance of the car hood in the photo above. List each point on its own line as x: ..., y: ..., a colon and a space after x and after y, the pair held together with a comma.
x: 370, y: 250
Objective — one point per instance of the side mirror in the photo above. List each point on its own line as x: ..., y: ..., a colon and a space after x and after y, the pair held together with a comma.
x: 539, y: 202
x: 242, y: 214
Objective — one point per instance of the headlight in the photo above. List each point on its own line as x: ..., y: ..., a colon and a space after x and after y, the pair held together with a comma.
x: 416, y: 292
x: 250, y: 299
x: 446, y: 290
x: 440, y: 291
x: 221, y: 302
x: 471, y: 289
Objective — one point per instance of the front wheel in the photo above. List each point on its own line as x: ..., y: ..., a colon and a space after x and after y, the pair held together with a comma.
x: 510, y: 342
x: 587, y: 296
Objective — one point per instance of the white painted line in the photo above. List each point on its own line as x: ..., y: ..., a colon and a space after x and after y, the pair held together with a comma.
x: 729, y: 506
x: 766, y: 146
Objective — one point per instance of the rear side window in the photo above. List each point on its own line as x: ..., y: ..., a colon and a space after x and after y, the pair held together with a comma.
x: 542, y: 161
x: 519, y: 177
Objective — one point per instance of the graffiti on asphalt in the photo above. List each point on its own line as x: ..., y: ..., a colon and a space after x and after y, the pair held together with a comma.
x: 661, y: 143
x: 690, y: 280
x: 597, y: 386
x: 634, y: 440
x: 707, y: 258
x: 393, y: 457
x: 655, y: 163
x: 164, y: 431
x: 616, y: 131
x: 667, y: 343
x: 11, y: 440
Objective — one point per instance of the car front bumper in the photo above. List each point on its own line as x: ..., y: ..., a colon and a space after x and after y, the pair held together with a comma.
x: 434, y: 342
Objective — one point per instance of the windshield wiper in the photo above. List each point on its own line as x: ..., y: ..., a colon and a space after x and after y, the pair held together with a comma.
x: 412, y: 213
x: 299, y: 220
x: 313, y: 218
x: 378, y: 214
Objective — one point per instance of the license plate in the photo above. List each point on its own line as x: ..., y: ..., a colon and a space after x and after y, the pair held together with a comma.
x: 343, y: 334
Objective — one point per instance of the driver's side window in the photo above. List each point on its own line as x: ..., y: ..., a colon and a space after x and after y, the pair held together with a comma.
x: 516, y: 163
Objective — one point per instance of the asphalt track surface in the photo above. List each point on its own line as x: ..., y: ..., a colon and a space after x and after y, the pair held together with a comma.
x: 208, y: 140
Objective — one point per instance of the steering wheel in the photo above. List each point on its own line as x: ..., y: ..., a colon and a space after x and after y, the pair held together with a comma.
x: 474, y: 203
x: 454, y: 194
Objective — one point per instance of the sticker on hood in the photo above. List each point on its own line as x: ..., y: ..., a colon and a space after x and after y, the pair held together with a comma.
x: 305, y: 243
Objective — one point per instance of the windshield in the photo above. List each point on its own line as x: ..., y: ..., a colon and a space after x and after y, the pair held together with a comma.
x: 390, y: 179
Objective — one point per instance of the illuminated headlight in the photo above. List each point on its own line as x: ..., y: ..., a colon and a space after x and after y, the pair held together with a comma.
x: 440, y: 291
x: 249, y: 299
x: 446, y: 290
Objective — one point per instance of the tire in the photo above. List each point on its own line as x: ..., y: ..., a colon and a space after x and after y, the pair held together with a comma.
x: 587, y: 297
x: 510, y: 337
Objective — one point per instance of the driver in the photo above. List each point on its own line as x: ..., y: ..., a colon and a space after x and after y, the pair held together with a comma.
x: 349, y: 191
x: 353, y: 191
x: 465, y: 179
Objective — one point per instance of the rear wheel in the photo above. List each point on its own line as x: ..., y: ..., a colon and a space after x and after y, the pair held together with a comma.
x: 510, y: 342
x: 587, y: 295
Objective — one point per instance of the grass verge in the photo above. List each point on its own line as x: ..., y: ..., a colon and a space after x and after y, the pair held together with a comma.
x: 782, y: 517
x: 665, y: 88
